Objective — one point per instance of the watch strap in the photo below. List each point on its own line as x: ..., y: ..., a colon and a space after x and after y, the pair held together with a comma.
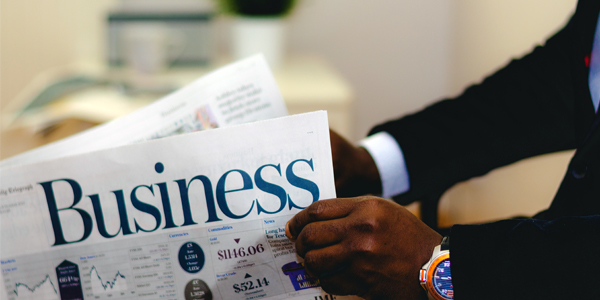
x: 445, y: 243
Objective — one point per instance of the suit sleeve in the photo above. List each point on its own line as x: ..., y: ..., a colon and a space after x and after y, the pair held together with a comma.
x: 527, y: 259
x: 525, y: 109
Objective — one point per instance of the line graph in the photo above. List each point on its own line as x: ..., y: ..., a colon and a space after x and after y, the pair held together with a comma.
x: 108, y: 283
x: 19, y: 284
x: 100, y: 285
x: 107, y: 274
x: 102, y: 272
x: 45, y: 289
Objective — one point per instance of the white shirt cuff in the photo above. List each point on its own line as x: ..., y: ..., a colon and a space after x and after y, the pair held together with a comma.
x: 389, y: 159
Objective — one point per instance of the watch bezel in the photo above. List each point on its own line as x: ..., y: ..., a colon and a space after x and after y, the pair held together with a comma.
x: 430, y: 271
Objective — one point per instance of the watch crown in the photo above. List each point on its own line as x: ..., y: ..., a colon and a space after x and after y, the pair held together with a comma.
x: 422, y: 275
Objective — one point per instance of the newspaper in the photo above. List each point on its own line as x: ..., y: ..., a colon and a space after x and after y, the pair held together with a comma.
x: 195, y: 216
x: 241, y: 92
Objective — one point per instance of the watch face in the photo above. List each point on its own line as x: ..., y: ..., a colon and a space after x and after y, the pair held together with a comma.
x: 442, y: 280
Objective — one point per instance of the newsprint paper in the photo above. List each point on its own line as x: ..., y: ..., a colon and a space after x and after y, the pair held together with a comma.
x: 133, y: 210
x: 194, y: 216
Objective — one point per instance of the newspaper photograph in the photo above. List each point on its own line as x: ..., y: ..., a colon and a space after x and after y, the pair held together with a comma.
x: 194, y: 216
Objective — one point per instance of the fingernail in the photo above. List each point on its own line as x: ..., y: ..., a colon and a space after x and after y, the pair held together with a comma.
x: 288, y: 233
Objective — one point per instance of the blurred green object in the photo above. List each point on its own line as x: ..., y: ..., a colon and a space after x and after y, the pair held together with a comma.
x: 257, y: 8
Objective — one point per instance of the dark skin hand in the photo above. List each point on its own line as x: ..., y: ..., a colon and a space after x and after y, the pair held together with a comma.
x: 365, y: 246
x: 354, y: 169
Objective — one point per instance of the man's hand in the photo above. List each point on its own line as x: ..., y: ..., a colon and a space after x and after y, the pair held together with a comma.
x: 354, y: 169
x: 365, y: 246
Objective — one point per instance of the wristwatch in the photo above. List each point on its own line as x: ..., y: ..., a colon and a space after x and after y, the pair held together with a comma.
x: 435, y: 275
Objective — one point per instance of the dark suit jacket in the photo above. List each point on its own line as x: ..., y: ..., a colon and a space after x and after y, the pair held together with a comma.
x: 538, y: 104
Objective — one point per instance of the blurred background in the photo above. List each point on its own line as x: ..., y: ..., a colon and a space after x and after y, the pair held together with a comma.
x: 378, y: 59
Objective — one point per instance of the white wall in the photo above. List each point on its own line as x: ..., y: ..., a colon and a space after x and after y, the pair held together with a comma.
x: 401, y: 55
x: 395, y: 54
x: 489, y: 33
x: 37, y: 35
x: 398, y: 55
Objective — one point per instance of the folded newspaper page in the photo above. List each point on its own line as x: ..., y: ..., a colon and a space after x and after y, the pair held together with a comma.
x: 194, y: 216
x: 238, y: 93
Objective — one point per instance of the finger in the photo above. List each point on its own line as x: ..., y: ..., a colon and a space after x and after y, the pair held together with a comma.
x: 328, y: 261
x: 319, y: 235
x: 319, y: 211
x: 333, y: 271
